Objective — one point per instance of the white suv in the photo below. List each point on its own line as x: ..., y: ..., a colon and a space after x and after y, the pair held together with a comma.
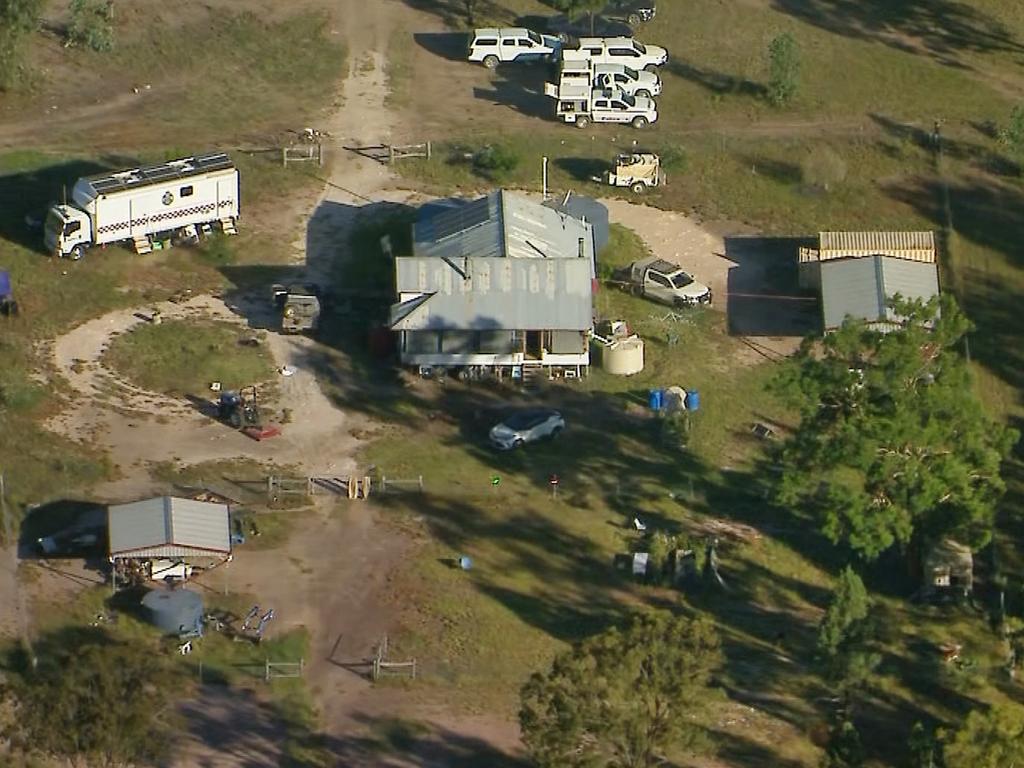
x: 620, y: 50
x: 494, y: 46
x: 632, y: 81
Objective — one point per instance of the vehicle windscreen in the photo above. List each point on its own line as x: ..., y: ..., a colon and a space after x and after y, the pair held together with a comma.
x: 535, y: 37
x: 639, y: 47
x: 628, y: 99
x: 631, y: 73
x: 53, y: 222
x: 681, y: 280
x: 523, y: 420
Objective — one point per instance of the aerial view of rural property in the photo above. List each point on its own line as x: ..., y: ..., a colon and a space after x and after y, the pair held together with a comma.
x: 512, y: 384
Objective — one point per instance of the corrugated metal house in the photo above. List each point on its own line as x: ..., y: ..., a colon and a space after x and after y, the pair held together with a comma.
x: 169, y: 528
x: 857, y: 273
x: 498, y: 283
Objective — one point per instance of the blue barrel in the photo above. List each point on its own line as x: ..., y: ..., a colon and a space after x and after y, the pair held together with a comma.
x: 656, y: 399
x: 692, y: 400
x: 5, y: 283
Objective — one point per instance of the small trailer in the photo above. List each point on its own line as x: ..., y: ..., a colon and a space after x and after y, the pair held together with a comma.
x: 182, y: 199
x: 639, y: 171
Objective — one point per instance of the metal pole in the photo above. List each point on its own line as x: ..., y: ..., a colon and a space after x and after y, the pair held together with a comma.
x: 545, y: 177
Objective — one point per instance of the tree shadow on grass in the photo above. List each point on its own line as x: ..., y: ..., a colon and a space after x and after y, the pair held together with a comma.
x: 717, y: 82
x: 977, y: 155
x: 940, y: 29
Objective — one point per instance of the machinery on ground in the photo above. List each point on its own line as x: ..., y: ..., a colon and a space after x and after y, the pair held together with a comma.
x: 150, y: 206
x: 240, y: 409
x: 639, y: 171
x: 299, y: 306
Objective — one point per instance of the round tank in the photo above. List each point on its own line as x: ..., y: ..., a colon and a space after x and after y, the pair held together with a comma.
x: 693, y: 400
x: 624, y: 358
x: 174, y: 611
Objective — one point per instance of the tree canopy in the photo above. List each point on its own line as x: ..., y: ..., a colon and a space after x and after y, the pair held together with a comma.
x: 991, y: 739
x: 90, y: 697
x: 18, y: 18
x: 622, y: 698
x: 892, y: 443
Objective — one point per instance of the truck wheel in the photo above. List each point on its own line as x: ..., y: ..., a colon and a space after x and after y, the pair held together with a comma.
x: 582, y: 121
x: 634, y: 19
x: 643, y: 93
x: 639, y: 188
x: 651, y: 68
x: 639, y: 121
x: 76, y: 253
x: 636, y: 290
x: 491, y: 62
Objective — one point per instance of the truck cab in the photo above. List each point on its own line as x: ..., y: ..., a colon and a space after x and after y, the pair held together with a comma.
x: 67, y: 232
x: 666, y: 283
x: 493, y: 46
x: 636, y: 82
x: 602, y: 105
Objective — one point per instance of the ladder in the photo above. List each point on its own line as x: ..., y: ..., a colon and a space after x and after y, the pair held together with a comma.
x: 532, y: 375
x: 227, y: 226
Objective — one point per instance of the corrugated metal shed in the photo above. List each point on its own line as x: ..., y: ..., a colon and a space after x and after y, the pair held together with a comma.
x: 860, y: 287
x: 911, y: 246
x: 502, y: 224
x: 493, y: 293
x: 169, y: 527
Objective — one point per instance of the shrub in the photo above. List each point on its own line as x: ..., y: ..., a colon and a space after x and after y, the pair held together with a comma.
x: 91, y: 24
x: 496, y: 161
x: 784, y: 69
x: 18, y: 18
x: 823, y: 168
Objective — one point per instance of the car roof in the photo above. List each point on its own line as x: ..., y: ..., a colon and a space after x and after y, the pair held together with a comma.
x: 496, y: 31
x: 605, y: 40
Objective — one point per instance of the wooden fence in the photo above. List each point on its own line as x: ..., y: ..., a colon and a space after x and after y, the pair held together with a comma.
x: 305, y: 153
x: 402, y: 151
x: 384, y: 668
x: 278, y: 669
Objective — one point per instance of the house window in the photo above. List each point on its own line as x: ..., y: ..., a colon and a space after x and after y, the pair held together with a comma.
x: 185, y: 192
x: 422, y: 342
x: 497, y: 342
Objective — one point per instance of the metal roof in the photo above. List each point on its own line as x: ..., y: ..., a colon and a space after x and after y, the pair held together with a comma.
x: 169, y: 527
x: 860, y: 287
x: 912, y: 246
x: 106, y: 183
x: 502, y: 224
x: 493, y: 293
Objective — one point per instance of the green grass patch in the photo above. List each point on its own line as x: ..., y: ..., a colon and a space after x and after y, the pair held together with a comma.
x: 182, y: 357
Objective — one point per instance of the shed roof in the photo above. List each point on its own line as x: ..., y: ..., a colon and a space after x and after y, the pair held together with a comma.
x: 861, y: 287
x: 502, y: 224
x: 493, y: 294
x: 912, y: 246
x: 169, y: 527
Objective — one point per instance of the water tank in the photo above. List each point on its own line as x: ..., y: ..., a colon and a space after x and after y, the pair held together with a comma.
x: 655, y: 399
x: 624, y: 358
x: 693, y: 400
x: 674, y: 399
x: 175, y: 612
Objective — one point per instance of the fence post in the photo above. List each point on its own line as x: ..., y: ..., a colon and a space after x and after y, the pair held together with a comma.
x: 421, y: 483
x: 284, y: 156
x: 428, y: 150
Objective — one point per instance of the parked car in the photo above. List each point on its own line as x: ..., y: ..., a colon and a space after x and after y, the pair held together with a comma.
x: 635, y: 12
x: 494, y: 46
x: 526, y: 426
x: 632, y: 81
x: 663, y: 282
x: 619, y: 50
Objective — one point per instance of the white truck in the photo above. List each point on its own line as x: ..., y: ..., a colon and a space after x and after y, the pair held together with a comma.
x: 664, y: 282
x: 493, y: 46
x: 582, y: 71
x: 618, y: 50
x: 146, y: 206
x: 582, y: 105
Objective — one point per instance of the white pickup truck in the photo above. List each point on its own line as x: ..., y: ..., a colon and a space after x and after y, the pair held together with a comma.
x: 619, y: 50
x: 493, y: 46
x: 664, y: 282
x: 583, y: 72
x: 583, y: 105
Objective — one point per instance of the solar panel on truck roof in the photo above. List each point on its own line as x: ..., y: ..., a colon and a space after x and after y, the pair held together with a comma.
x: 175, y: 169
